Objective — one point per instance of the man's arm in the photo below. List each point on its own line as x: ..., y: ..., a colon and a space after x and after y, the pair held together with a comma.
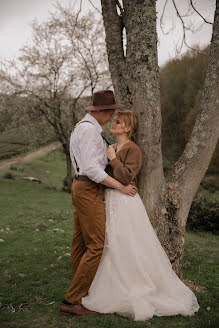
x: 91, y: 167
x: 112, y: 183
x: 89, y: 145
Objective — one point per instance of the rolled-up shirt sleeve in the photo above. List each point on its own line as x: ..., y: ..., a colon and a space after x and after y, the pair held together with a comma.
x: 89, y: 141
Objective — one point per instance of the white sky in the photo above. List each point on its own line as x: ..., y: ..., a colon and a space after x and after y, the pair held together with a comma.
x: 16, y: 17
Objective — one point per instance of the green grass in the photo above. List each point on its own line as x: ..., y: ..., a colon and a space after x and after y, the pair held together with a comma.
x: 35, y: 263
x: 12, y: 143
x: 49, y: 169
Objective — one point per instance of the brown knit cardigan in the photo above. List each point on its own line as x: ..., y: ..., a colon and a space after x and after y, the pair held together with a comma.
x: 127, y: 164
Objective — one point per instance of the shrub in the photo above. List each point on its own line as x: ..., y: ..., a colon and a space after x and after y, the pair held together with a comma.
x: 210, y: 184
x: 8, y: 175
x: 13, y: 167
x: 16, y: 167
x: 204, y: 215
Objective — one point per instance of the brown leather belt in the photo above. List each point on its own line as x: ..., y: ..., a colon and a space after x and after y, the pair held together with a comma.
x: 83, y: 178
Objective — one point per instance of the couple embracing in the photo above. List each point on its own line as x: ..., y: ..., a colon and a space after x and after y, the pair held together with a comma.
x: 118, y: 263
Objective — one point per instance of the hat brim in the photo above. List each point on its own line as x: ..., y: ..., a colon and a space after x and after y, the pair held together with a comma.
x: 103, y: 107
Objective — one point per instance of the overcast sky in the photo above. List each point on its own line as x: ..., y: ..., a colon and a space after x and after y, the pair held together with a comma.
x: 16, y: 17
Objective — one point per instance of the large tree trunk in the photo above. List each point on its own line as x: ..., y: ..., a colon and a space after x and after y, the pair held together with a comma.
x: 136, y: 78
x: 189, y: 170
x: 139, y: 72
x: 143, y: 81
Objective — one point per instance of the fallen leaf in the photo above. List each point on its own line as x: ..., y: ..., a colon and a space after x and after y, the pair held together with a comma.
x: 51, y: 303
x: 22, y: 275
x: 57, y: 230
x: 40, y: 299
x: 67, y: 254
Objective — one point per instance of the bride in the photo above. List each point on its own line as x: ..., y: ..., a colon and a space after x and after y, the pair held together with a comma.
x: 135, y: 278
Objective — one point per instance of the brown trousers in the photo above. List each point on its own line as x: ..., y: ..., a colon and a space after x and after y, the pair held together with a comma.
x: 88, y: 237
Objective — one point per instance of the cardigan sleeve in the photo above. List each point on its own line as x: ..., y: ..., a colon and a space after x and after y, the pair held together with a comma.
x: 127, y: 171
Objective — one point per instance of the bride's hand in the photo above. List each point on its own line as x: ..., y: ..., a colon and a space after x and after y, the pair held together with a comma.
x: 130, y: 190
x: 111, y: 154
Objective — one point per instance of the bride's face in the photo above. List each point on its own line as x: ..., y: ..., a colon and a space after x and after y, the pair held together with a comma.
x: 118, y: 127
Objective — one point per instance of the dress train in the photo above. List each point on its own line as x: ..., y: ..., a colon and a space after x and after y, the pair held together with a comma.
x: 135, y: 278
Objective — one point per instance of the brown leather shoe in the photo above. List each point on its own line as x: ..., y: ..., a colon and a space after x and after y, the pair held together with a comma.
x: 75, y: 310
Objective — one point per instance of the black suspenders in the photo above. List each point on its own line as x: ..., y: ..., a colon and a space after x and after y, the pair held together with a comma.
x: 77, y: 167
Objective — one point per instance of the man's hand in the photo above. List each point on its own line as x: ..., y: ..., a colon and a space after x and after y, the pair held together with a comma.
x: 129, y: 190
x: 111, y: 154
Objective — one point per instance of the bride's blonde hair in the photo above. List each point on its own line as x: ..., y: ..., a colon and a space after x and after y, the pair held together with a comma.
x: 129, y: 120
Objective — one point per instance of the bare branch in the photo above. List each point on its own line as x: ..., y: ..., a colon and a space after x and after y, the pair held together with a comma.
x: 110, y: 85
x: 161, y: 19
x: 95, y: 7
x: 79, y: 95
x: 185, y: 28
x: 207, y: 22
x: 76, y: 20
x: 64, y: 11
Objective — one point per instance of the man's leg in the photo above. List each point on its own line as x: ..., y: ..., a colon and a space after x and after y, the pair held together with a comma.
x: 88, y: 200
x: 78, y: 244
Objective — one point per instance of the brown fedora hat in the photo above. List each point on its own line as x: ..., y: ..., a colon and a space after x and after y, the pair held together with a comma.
x: 103, y: 99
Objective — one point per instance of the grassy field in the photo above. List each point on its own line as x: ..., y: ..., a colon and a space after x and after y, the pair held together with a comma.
x: 12, y: 143
x: 36, y: 222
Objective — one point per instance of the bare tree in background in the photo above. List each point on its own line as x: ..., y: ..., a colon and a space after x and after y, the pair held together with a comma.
x: 66, y: 60
x: 186, y: 22
x: 135, y: 77
x: 19, y: 113
x: 4, y: 114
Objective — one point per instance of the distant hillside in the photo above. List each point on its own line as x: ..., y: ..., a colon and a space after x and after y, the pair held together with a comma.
x: 182, y: 82
x: 12, y: 143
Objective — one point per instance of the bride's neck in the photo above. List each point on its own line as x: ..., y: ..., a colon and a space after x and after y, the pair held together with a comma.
x: 122, y: 139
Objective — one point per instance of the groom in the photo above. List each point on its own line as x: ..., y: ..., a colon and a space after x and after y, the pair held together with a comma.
x: 88, y: 153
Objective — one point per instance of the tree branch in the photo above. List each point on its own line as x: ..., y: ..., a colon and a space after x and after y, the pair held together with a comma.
x: 184, y: 26
x: 207, y: 22
x: 95, y: 7
x: 161, y: 19
x: 194, y: 161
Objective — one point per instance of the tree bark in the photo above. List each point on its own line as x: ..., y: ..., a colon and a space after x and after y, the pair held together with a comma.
x: 113, y: 24
x: 143, y: 81
x: 136, y: 77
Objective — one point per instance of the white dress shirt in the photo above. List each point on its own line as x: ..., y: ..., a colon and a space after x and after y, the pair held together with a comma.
x: 88, y: 148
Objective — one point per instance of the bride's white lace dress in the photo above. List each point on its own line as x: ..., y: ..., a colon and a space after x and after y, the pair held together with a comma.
x: 135, y: 278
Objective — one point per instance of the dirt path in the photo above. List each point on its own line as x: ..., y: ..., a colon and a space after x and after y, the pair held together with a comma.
x: 34, y: 154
